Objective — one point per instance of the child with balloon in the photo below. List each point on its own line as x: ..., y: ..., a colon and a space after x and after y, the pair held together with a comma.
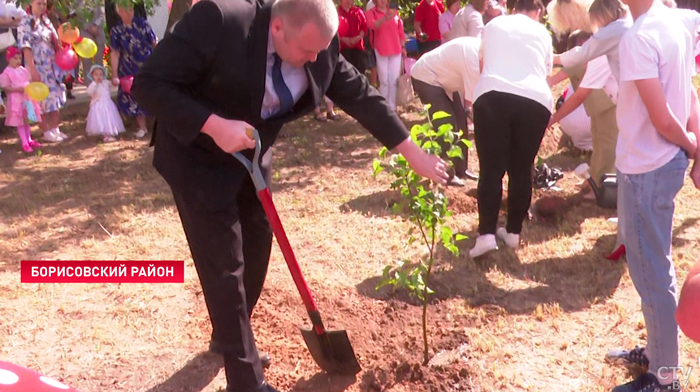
x: 103, y: 118
x: 21, y: 109
x: 39, y: 43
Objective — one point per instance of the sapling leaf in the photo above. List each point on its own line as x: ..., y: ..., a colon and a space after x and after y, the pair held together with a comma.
x: 440, y: 115
x: 446, y: 235
x: 377, y: 166
x: 455, y: 152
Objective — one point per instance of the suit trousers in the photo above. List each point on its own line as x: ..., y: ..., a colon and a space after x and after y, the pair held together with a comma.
x: 508, y: 130
x: 440, y: 102
x: 231, y: 252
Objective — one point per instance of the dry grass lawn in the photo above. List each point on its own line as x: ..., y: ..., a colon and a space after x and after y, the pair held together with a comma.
x: 541, y: 318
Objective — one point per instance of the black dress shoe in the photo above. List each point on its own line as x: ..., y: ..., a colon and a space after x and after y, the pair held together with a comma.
x: 265, y: 359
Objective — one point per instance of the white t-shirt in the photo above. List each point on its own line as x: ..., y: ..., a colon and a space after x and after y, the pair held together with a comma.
x: 656, y: 46
x: 517, y: 54
x: 454, y: 66
x: 599, y: 76
x: 689, y: 18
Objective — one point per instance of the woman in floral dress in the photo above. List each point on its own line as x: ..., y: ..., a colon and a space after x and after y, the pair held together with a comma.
x: 39, y: 42
x: 131, y: 42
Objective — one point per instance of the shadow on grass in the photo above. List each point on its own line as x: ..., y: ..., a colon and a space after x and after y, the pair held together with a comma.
x: 196, y: 375
x: 79, y: 200
x: 573, y: 283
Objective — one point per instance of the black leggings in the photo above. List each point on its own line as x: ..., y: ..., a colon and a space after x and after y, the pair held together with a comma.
x: 508, y: 130
x: 439, y: 101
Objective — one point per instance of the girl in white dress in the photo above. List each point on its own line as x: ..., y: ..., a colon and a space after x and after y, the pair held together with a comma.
x: 103, y: 118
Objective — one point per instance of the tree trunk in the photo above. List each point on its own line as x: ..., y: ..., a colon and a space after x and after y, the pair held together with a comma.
x: 178, y: 10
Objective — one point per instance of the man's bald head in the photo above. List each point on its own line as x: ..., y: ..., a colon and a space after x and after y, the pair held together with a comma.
x: 297, y: 13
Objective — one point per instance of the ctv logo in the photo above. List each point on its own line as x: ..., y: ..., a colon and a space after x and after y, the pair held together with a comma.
x: 680, y: 375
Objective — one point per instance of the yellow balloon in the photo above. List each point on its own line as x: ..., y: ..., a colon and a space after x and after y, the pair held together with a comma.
x: 85, y: 48
x: 37, y: 91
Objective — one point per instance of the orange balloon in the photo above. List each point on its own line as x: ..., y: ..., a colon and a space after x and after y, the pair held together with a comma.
x: 67, y: 33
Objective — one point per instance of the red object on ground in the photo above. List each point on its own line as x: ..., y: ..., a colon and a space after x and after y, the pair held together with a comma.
x: 14, y: 378
x: 617, y: 253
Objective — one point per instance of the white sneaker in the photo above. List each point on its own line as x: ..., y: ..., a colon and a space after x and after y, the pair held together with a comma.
x: 484, y: 243
x: 512, y: 240
x: 52, y: 137
x: 141, y: 133
x: 60, y: 134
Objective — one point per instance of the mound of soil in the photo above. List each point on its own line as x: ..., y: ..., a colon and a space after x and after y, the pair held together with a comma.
x: 385, y: 335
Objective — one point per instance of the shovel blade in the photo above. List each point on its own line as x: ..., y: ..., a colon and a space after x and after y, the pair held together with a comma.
x: 332, y: 352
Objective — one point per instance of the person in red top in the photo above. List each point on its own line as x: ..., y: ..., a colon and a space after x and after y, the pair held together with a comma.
x: 352, y: 33
x: 427, y: 24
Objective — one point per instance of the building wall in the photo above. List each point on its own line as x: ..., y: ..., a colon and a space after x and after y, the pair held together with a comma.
x: 159, y: 20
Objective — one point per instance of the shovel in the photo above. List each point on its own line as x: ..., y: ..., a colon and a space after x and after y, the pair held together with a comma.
x: 331, y: 350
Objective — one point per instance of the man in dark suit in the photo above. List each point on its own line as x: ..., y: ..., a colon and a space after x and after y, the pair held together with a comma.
x: 229, y: 66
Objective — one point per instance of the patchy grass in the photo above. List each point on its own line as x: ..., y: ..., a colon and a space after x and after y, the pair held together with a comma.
x: 539, y: 318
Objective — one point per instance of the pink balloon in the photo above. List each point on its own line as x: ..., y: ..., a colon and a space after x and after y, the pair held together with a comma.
x: 66, y: 58
x: 126, y: 83
x: 15, y: 378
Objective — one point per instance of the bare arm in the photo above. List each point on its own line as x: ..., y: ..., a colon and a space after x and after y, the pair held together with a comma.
x: 383, y: 19
x: 694, y: 119
x: 13, y: 89
x: 417, y: 28
x: 6, y: 21
x: 558, y: 77
x: 663, y: 119
x: 571, y: 103
x: 687, y: 314
x: 694, y: 127
x: 114, y: 59
x: 31, y: 67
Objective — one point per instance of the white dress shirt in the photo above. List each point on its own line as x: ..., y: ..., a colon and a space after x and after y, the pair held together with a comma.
x: 294, y: 78
x: 453, y: 66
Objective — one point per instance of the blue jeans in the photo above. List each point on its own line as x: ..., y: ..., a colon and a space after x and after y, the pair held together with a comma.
x: 645, y: 204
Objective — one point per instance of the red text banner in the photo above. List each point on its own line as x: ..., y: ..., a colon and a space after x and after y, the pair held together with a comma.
x: 96, y: 271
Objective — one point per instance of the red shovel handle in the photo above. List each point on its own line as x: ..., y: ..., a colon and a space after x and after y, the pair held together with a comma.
x: 277, y: 228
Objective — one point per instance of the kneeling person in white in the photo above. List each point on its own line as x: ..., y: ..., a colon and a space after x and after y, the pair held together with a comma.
x: 658, y: 123
x: 445, y: 78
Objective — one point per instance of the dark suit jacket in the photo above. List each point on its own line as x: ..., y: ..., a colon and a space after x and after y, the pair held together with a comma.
x: 214, y: 62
